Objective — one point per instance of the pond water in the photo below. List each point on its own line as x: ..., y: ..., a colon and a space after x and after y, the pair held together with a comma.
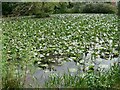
x: 40, y: 76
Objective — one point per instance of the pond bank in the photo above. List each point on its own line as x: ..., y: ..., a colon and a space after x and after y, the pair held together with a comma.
x: 40, y: 76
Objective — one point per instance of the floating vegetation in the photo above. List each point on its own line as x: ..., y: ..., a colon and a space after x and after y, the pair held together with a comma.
x: 51, y: 41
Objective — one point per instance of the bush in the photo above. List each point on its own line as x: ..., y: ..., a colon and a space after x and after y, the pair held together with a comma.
x: 61, y: 8
x: 23, y: 9
x: 10, y: 79
x: 119, y: 9
x: 68, y: 8
x: 7, y: 8
x: 41, y: 15
x: 99, y: 8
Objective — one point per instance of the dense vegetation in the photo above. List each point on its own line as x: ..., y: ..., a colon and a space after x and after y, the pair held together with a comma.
x: 46, y: 42
x: 43, y: 9
x: 90, y: 80
x: 58, y: 39
x: 73, y: 36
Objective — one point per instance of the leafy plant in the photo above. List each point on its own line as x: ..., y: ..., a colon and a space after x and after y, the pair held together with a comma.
x: 90, y: 80
x: 53, y: 41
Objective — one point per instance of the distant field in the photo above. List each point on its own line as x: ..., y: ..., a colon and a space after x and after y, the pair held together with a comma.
x: 60, y: 38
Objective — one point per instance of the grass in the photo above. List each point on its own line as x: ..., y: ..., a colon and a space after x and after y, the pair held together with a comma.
x: 14, y: 73
x: 99, y: 80
x: 50, y: 41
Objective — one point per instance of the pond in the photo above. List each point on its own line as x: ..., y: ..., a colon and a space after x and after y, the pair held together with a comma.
x: 61, y: 43
x: 40, y: 76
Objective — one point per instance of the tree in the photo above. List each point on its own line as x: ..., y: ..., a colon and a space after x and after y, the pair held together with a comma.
x: 119, y: 9
x: 26, y: 8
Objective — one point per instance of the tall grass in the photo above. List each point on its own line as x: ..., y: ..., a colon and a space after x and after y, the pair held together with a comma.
x: 99, y: 80
x: 11, y: 77
x: 14, y: 72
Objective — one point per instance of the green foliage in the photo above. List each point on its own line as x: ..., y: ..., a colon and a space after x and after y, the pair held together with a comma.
x: 7, y: 8
x: 68, y: 7
x: 60, y: 8
x: 14, y: 72
x: 41, y: 15
x: 11, y: 78
x: 66, y: 81
x: 78, y: 7
x: 85, y: 8
x: 119, y: 9
x: 33, y: 8
x: 50, y: 44
x: 40, y: 10
x: 29, y: 8
x: 51, y: 41
x: 99, y: 8
x: 99, y: 80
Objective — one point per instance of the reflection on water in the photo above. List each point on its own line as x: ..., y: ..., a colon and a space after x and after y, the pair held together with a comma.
x: 72, y: 67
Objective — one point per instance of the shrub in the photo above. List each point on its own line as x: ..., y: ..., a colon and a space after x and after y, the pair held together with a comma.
x: 61, y: 8
x: 10, y: 79
x: 119, y: 9
x: 23, y: 9
x: 99, y: 8
x: 41, y: 15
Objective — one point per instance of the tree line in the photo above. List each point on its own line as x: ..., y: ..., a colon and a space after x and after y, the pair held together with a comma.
x: 44, y: 9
